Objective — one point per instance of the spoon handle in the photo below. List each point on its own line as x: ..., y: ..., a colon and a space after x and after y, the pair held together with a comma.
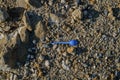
x: 60, y: 43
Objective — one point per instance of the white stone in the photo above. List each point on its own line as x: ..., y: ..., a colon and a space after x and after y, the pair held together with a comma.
x: 1, y: 36
x: 65, y: 66
x: 47, y: 63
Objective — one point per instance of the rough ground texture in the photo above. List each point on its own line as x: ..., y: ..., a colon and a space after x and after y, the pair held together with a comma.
x: 28, y: 26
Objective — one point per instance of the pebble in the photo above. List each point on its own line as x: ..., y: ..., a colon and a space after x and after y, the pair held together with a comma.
x: 55, y: 19
x: 76, y: 14
x: 1, y: 36
x: 70, y: 49
x: 118, y: 66
x: 39, y: 30
x: 54, y: 47
x: 41, y: 58
x: 3, y: 15
x: 106, y: 12
x: 62, y: 1
x: 58, y: 50
x: 50, y: 2
x: 34, y: 41
x: 47, y: 64
x: 65, y: 66
x: 64, y: 54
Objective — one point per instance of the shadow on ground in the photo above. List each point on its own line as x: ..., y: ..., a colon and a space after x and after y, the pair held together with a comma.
x: 90, y: 13
x: 80, y: 50
x: 116, y: 13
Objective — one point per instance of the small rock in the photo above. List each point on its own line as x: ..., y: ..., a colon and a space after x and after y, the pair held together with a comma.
x: 118, y: 66
x: 70, y: 49
x: 47, y: 64
x: 40, y: 30
x: 50, y: 2
x: 58, y: 50
x: 54, y: 47
x: 76, y: 14
x: 63, y: 1
x: 40, y: 58
x: 65, y: 66
x: 3, y: 15
x: 64, y: 54
x: 34, y: 41
x: 1, y: 36
x: 55, y: 19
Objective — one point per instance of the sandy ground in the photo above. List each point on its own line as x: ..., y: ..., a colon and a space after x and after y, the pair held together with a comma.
x: 27, y: 27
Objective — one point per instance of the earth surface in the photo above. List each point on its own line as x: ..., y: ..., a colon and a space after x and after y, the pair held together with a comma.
x: 28, y: 27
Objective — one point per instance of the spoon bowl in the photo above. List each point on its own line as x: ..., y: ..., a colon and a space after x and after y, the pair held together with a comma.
x: 73, y: 42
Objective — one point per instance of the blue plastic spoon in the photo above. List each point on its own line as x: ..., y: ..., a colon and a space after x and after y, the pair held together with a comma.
x: 71, y: 43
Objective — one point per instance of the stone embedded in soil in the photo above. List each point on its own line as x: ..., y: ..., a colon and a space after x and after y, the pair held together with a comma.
x: 65, y: 66
x: 76, y: 14
x: 39, y: 30
x: 63, y: 1
x: 54, y: 19
x: 47, y: 64
x: 50, y: 2
x: 3, y: 15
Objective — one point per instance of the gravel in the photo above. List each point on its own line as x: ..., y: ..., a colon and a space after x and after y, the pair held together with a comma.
x: 28, y: 27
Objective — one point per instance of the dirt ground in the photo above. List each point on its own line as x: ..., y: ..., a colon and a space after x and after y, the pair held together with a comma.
x: 27, y: 28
